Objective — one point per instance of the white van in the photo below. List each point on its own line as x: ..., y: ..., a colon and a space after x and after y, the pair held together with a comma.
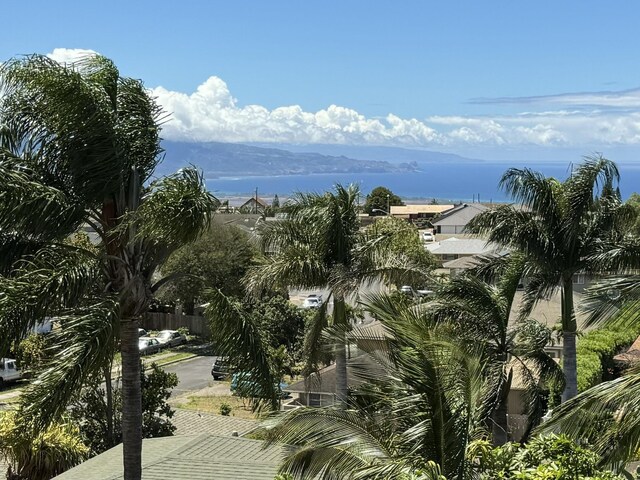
x: 8, y: 371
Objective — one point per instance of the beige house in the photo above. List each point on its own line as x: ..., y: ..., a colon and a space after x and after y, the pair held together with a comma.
x: 415, y: 212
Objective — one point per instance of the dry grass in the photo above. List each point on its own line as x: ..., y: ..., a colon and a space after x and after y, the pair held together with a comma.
x: 211, y: 404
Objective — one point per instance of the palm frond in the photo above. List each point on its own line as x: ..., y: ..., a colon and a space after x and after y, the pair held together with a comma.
x: 55, y: 279
x: 239, y: 339
x: 80, y: 347
x: 606, y: 415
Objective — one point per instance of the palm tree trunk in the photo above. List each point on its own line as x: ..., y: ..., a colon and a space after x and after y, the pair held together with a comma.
x: 499, y: 418
x: 109, y: 394
x: 340, y: 320
x: 569, y: 329
x: 131, y: 400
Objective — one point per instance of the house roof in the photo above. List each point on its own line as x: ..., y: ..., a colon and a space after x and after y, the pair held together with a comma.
x: 463, y: 246
x: 252, y: 200
x: 202, y: 457
x: 415, y: 209
x: 463, y: 263
x: 460, y: 215
x: 630, y: 356
x: 190, y: 422
x: 325, y: 380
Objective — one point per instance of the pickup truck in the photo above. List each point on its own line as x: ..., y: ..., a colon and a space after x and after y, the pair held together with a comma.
x: 8, y: 371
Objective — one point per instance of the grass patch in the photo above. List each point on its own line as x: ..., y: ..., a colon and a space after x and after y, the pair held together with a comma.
x: 212, y: 404
x: 177, y: 356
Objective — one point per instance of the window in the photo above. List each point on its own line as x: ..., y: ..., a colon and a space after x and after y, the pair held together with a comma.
x: 578, y: 279
x: 314, y: 400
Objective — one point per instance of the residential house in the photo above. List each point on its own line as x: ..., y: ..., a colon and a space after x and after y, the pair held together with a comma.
x: 456, y: 248
x: 455, y: 220
x: 413, y: 213
x: 254, y: 205
x: 201, y: 457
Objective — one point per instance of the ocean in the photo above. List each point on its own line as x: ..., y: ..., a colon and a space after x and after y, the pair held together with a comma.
x: 454, y: 182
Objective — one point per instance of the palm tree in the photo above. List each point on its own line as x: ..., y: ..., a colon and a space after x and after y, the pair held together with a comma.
x: 558, y: 226
x: 320, y: 245
x: 78, y: 145
x: 415, y: 415
x: 480, y: 311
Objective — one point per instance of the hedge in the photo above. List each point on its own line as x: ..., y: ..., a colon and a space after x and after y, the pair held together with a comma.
x: 596, y: 349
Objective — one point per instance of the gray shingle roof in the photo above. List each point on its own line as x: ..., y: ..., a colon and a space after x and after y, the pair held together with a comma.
x: 466, y: 246
x: 202, y: 457
x: 460, y: 215
x: 190, y: 422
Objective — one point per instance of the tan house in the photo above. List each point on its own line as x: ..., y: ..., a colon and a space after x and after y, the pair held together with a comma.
x: 416, y: 212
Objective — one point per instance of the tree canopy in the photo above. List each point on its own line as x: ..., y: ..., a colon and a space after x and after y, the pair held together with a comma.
x: 381, y: 198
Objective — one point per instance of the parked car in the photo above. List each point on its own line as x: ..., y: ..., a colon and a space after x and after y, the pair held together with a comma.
x: 171, y: 338
x: 243, y: 385
x: 220, y: 368
x: 428, y: 237
x: 312, y: 301
x: 8, y: 371
x: 142, y: 332
x: 148, y: 345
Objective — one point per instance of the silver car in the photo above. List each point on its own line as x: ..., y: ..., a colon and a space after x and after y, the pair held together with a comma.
x: 171, y: 338
x: 148, y: 345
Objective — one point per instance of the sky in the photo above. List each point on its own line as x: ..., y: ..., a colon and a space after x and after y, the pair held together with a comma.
x: 497, y: 79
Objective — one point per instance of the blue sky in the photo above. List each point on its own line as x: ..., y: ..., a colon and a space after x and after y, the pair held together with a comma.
x: 527, y: 78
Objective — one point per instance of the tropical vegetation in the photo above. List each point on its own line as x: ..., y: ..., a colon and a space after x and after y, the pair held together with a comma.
x: 78, y: 146
x: 560, y: 228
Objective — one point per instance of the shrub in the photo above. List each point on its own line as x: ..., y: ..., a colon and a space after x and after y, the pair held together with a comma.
x: 40, y: 455
x: 183, y: 331
x: 225, y: 409
x: 595, y: 352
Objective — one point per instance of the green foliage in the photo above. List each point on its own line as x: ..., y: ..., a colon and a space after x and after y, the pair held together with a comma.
x: 40, y: 454
x: 183, y: 331
x: 551, y: 457
x: 218, y: 259
x: 634, y: 202
x: 31, y: 353
x: 401, y: 238
x: 283, y: 327
x: 225, y: 409
x: 595, y: 352
x: 91, y: 411
x: 381, y: 198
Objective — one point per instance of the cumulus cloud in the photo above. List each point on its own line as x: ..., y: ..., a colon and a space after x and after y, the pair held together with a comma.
x: 69, y: 55
x: 211, y: 113
x: 583, y: 119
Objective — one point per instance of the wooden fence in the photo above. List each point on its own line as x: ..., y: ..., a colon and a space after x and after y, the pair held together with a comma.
x: 169, y: 321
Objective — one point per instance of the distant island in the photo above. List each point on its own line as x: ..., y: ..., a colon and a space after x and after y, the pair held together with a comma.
x: 219, y: 160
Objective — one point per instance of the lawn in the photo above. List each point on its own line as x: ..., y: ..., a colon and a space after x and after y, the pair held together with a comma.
x: 211, y: 404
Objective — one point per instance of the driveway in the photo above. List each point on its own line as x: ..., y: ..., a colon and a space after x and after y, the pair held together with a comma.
x: 194, y: 375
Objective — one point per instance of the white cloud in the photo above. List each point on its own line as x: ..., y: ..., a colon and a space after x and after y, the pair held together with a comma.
x: 213, y: 114
x: 69, y: 55
x: 588, y: 120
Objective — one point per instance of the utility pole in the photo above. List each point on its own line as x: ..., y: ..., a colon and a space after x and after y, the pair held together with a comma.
x: 255, y: 208
x: 388, y: 207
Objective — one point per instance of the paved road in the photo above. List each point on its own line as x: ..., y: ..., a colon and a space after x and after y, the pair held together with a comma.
x: 192, y: 374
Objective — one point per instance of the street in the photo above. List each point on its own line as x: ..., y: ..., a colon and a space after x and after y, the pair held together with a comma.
x: 194, y: 374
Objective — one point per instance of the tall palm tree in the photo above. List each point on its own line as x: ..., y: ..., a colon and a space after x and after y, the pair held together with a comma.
x: 558, y: 226
x: 480, y: 311
x: 415, y: 415
x: 78, y: 145
x: 321, y: 245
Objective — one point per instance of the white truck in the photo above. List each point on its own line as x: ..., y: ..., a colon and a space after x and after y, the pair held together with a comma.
x: 8, y: 371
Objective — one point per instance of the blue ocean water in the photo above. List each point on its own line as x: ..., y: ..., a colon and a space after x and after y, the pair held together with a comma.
x: 455, y: 182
